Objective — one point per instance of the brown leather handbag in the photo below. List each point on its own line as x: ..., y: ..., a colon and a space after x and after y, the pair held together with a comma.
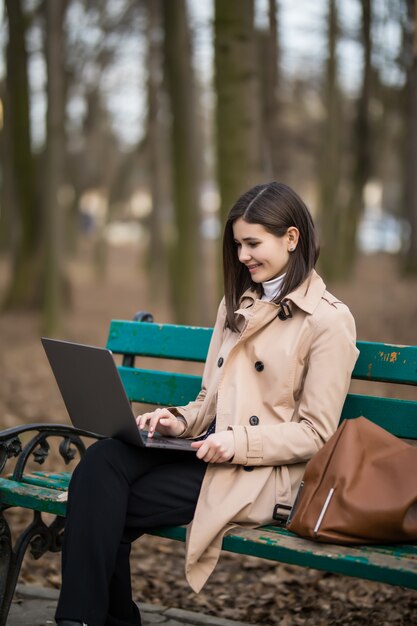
x: 360, y: 488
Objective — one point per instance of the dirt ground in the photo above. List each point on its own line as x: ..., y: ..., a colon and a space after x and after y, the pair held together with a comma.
x: 262, y: 593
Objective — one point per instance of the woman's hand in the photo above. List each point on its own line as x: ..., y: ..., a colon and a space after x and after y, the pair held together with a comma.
x: 161, y: 421
x: 217, y: 448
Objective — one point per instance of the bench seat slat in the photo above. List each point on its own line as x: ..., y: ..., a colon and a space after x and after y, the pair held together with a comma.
x: 408, y: 550
x: 32, y: 497
x: 282, y: 546
x: 396, y: 550
x: 162, y: 388
x: 48, y: 480
x: 186, y: 343
x: 399, y: 417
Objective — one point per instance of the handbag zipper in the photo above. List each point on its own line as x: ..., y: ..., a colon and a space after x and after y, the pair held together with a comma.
x: 323, y: 511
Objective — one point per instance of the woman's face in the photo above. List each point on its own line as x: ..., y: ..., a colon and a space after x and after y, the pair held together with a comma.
x: 265, y: 255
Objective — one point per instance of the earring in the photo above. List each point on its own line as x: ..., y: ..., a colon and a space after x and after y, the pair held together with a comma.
x: 291, y: 250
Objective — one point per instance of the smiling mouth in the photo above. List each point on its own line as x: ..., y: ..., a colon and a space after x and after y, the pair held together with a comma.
x: 252, y: 268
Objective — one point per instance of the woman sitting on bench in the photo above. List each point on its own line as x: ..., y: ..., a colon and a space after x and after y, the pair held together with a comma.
x: 277, y: 373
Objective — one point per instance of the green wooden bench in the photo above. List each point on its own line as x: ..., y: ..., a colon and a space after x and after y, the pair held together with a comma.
x: 39, y: 491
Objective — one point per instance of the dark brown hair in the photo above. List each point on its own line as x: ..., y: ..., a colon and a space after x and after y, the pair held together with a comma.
x: 276, y: 207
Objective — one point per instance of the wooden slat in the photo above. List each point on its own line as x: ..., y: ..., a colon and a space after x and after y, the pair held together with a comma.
x: 397, y: 416
x: 163, y: 388
x: 186, y: 343
x: 48, y: 480
x: 32, y: 497
x: 399, y: 550
x: 171, y: 389
x: 386, y: 362
x: 377, y: 361
x: 285, y: 547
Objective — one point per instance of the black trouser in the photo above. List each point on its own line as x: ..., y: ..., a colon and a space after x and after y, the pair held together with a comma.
x: 117, y: 493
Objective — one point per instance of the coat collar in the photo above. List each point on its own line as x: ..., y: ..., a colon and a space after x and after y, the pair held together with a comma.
x: 306, y: 296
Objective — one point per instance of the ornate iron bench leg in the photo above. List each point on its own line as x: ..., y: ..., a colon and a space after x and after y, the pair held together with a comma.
x: 6, y: 554
x: 40, y: 537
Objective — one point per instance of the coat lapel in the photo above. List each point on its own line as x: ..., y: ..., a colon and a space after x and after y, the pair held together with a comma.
x: 256, y: 313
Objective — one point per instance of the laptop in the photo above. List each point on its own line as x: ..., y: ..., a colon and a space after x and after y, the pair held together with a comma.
x: 94, y: 395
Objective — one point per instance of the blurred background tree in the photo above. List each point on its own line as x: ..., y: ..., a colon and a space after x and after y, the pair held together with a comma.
x: 139, y: 122
x: 22, y: 215
x: 410, y: 170
x: 186, y: 154
x: 53, y: 173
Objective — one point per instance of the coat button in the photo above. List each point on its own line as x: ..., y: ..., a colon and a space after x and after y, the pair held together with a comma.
x: 220, y: 362
x: 254, y: 420
x: 259, y: 366
x: 248, y: 468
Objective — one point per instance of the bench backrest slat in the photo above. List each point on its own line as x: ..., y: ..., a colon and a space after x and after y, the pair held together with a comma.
x: 161, y: 388
x: 170, y: 389
x: 185, y: 343
x: 386, y: 362
x: 397, y: 416
x: 377, y: 361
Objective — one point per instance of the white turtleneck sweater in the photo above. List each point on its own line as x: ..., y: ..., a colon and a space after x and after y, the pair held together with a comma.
x: 272, y: 288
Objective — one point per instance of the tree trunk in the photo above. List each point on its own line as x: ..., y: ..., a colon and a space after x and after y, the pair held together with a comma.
x: 362, y: 150
x: 238, y: 102
x: 185, y: 162
x: 157, y: 261
x: 273, y: 151
x: 24, y: 288
x: 54, y: 166
x: 410, y: 259
x: 330, y: 218
x: 7, y: 198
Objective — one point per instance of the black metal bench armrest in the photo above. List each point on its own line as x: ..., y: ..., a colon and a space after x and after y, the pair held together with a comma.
x: 11, y: 444
x: 56, y: 429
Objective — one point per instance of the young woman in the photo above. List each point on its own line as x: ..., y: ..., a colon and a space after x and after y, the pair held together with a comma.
x: 276, y: 376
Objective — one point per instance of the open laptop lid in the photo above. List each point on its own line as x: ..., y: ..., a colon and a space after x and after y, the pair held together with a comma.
x: 92, y: 389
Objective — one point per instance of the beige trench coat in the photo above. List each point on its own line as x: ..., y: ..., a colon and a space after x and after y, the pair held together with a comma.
x: 280, y: 386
